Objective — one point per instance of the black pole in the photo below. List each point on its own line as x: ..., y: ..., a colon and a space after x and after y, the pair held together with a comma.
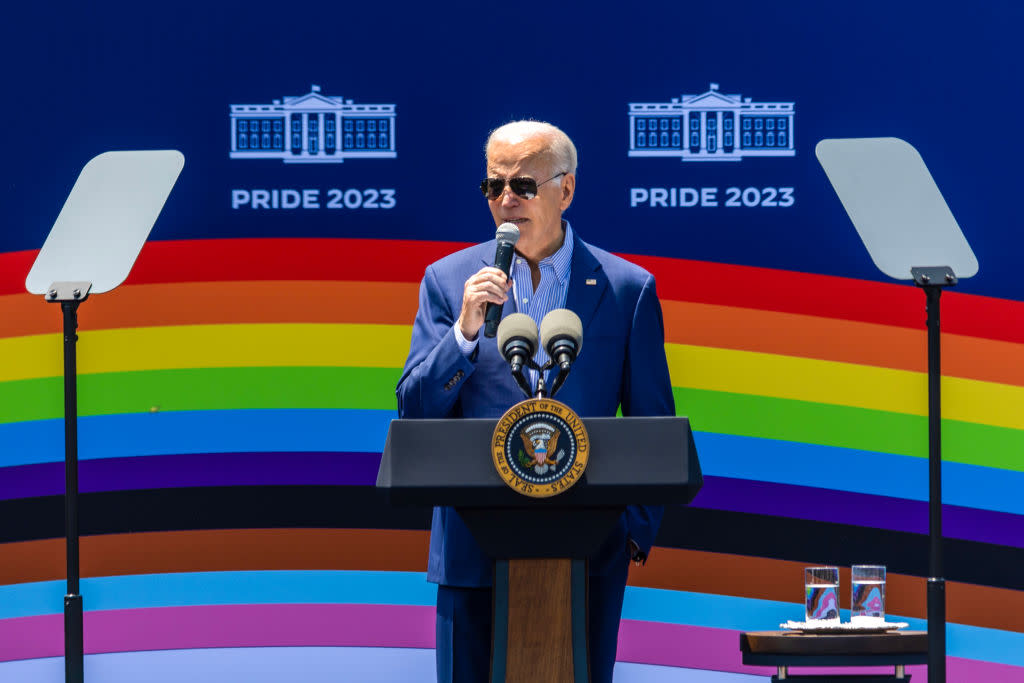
x: 932, y: 286
x: 74, y: 651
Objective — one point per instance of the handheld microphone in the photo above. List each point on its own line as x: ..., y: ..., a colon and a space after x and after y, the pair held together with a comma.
x: 517, y: 342
x: 562, y: 332
x: 507, y: 236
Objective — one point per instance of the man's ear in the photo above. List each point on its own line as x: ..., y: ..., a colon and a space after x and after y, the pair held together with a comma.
x: 568, y: 190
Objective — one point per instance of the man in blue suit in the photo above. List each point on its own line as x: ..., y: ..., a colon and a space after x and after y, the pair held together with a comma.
x: 454, y: 371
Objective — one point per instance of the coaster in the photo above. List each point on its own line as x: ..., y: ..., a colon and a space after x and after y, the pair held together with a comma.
x: 841, y: 628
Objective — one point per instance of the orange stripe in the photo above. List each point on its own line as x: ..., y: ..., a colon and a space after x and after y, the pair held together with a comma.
x: 834, y: 339
x: 399, y: 550
x: 203, y: 303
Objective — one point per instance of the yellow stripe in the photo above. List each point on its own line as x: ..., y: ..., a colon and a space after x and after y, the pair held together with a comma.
x: 209, y: 346
x: 847, y: 384
x: 386, y: 346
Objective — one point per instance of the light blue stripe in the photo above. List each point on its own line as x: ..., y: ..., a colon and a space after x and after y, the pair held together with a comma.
x: 847, y: 469
x: 223, y: 588
x: 203, y: 431
x: 411, y: 588
x: 306, y: 664
x: 249, y: 664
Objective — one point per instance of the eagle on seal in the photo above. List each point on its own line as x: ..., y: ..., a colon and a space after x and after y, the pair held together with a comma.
x: 542, y: 454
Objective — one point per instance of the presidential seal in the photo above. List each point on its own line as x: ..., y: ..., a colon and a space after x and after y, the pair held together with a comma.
x: 540, y: 447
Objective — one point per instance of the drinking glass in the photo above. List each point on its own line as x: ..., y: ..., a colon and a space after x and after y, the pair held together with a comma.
x: 867, y: 596
x: 821, y: 592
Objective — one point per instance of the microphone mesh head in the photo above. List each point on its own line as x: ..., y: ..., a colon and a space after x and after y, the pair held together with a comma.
x: 517, y: 325
x: 507, y: 232
x: 561, y: 322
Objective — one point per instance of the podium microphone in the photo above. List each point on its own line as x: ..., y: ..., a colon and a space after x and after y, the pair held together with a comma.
x: 517, y: 341
x: 562, y: 332
x: 507, y: 236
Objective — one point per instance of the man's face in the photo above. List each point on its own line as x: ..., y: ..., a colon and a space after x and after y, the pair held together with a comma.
x: 539, y: 219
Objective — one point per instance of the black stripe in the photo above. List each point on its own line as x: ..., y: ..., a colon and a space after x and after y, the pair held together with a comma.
x: 813, y: 542
x: 363, y: 507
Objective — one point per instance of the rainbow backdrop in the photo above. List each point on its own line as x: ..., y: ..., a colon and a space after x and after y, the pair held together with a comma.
x: 273, y: 362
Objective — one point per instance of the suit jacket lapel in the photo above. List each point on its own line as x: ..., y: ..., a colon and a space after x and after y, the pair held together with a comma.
x: 587, y: 283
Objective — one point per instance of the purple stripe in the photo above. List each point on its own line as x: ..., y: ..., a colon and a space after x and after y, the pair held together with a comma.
x: 360, y: 469
x: 194, y: 469
x: 176, y: 628
x: 859, y: 509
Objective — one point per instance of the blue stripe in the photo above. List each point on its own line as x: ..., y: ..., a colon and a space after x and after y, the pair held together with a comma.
x: 411, y: 588
x: 722, y: 455
x: 203, y: 431
x: 847, y: 469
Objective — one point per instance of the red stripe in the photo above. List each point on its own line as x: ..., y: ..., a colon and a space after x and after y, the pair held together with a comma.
x: 902, y: 305
x: 219, y: 260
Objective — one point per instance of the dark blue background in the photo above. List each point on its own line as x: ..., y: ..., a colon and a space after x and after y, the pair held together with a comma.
x: 82, y: 79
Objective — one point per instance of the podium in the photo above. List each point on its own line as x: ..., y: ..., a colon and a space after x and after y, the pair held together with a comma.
x: 540, y: 626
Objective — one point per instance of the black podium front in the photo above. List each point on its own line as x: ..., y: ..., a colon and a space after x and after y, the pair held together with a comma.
x: 540, y: 627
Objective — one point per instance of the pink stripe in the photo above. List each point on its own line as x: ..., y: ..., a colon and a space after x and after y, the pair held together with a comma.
x: 175, y: 628
x: 715, y: 649
x: 178, y: 628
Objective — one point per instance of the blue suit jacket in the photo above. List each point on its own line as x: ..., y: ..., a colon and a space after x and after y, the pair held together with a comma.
x: 621, y: 362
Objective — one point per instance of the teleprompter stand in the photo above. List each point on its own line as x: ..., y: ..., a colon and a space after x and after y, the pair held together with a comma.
x: 540, y: 625
x: 908, y: 230
x: 90, y: 250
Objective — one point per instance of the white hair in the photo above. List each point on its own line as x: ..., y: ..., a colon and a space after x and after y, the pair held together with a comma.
x: 560, y: 147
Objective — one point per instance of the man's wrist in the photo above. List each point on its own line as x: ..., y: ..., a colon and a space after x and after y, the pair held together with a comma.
x: 466, y: 346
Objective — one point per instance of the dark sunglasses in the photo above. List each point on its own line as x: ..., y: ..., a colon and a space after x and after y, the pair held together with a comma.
x: 524, y: 186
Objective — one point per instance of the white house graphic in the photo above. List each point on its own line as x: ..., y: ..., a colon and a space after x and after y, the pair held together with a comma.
x: 313, y: 129
x: 711, y: 127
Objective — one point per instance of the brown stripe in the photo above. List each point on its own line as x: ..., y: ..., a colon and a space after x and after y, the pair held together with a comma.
x: 398, y: 550
x: 219, y: 550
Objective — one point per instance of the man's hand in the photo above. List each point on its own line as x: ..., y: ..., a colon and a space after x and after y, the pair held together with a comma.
x: 487, y: 285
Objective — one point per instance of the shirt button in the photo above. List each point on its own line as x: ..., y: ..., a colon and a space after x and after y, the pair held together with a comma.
x: 526, y: 301
x: 519, y: 261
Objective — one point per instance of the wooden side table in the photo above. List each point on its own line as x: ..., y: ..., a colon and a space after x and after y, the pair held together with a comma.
x: 785, y: 649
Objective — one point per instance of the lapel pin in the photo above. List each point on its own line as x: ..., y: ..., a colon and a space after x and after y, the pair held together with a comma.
x: 591, y: 281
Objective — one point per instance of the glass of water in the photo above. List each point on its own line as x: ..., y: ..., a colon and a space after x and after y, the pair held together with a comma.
x: 867, y: 597
x: 821, y: 593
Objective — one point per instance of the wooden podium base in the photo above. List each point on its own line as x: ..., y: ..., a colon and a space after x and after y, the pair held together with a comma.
x: 540, y: 621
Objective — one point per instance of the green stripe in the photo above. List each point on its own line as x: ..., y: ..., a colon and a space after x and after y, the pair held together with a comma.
x: 203, y: 389
x: 373, y: 388
x: 859, y: 428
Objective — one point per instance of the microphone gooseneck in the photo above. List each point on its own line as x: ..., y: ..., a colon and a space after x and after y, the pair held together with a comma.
x: 506, y: 237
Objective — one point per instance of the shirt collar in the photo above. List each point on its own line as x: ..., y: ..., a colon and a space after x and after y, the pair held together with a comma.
x: 561, y: 259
